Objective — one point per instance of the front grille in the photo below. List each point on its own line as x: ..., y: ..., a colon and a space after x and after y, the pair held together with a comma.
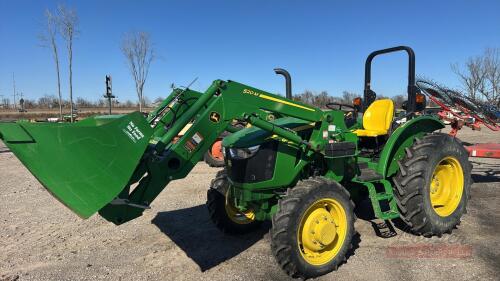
x: 259, y: 167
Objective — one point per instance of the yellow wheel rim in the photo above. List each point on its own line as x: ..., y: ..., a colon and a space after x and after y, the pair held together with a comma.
x: 235, y: 214
x: 447, y: 186
x: 322, y: 231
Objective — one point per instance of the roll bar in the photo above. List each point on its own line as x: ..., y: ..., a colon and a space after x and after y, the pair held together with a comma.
x: 369, y: 95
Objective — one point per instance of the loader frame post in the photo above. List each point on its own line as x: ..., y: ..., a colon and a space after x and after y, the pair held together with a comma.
x: 187, y: 116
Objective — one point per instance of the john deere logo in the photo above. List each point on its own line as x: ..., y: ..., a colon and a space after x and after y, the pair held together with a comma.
x: 214, y: 117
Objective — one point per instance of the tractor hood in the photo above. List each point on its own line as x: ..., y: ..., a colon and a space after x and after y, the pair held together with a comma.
x: 253, y: 136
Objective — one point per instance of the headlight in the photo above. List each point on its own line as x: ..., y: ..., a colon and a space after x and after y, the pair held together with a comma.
x: 243, y: 153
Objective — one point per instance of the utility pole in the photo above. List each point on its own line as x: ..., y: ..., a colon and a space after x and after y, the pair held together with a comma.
x: 109, y: 92
x: 14, y: 87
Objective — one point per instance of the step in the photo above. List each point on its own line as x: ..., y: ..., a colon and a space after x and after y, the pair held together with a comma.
x: 377, y: 198
x: 383, y: 196
x: 389, y: 215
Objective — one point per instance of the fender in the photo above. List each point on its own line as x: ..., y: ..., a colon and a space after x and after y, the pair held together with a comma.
x: 403, y: 137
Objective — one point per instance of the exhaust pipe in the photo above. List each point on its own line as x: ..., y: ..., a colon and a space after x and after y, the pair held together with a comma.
x: 288, y: 81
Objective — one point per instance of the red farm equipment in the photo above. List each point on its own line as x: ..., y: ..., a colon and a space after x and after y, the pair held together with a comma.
x: 460, y: 110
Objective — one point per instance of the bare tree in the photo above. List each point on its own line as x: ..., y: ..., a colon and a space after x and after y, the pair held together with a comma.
x: 14, y: 93
x: 472, y: 77
x: 480, y: 76
x: 5, y: 102
x: 29, y: 103
x: 305, y: 97
x: 83, y: 102
x: 322, y: 99
x: 138, y: 49
x: 48, y: 39
x: 491, y: 88
x: 398, y: 100
x: 47, y: 101
x: 128, y: 104
x: 348, y: 97
x: 158, y: 100
x: 68, y: 27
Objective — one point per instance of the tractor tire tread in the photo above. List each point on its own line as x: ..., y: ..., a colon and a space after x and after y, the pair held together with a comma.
x: 412, y: 180
x: 286, y: 215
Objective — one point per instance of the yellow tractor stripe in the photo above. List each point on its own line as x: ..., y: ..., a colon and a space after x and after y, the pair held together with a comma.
x: 285, y: 102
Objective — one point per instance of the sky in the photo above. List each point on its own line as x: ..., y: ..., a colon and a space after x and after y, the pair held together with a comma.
x: 323, y: 44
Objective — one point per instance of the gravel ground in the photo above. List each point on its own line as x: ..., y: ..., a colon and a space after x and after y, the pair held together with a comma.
x: 175, y: 240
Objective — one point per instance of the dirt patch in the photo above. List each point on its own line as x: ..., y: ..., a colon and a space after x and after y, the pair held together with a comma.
x: 175, y: 240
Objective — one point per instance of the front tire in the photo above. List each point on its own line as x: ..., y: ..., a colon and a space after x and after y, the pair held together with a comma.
x: 433, y: 185
x: 226, y: 217
x: 313, y: 227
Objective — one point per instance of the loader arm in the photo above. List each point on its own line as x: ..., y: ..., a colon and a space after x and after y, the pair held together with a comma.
x: 170, y: 157
x: 118, y: 164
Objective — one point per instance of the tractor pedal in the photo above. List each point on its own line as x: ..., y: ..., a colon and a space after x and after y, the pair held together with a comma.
x: 367, y: 174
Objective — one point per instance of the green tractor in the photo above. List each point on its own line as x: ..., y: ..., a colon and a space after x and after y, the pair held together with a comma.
x: 299, y: 166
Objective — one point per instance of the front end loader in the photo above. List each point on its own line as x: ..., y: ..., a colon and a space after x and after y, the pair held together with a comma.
x: 297, y: 165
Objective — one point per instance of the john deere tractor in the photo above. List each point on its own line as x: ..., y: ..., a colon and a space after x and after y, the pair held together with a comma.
x: 299, y: 166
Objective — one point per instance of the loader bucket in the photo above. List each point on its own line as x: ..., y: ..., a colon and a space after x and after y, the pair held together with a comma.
x: 85, y: 165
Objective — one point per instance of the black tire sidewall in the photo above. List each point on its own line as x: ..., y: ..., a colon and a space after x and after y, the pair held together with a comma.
x: 446, y: 147
x: 216, y: 204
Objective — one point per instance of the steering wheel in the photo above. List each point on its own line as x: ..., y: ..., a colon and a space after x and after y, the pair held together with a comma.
x: 338, y: 106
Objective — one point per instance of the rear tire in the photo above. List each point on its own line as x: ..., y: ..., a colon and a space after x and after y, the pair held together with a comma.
x: 313, y: 228
x: 226, y: 217
x: 433, y: 185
